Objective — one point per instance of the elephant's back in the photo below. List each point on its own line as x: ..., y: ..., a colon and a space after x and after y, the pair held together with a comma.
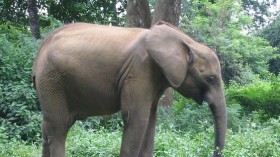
x: 84, y: 40
x: 93, y: 34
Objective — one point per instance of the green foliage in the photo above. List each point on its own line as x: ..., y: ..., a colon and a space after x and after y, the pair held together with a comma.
x: 272, y: 34
x: 14, y: 147
x: 221, y: 25
x: 18, y: 105
x: 254, y: 141
x: 19, y: 108
x: 103, y: 12
x: 50, y: 24
x: 191, y: 117
x: 261, y: 96
x: 102, y: 142
x: 110, y: 123
x: 13, y: 11
x: 247, y: 76
x: 259, y: 11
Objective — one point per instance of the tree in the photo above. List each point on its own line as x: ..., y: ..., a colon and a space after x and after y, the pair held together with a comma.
x: 33, y: 18
x: 138, y: 14
x: 167, y: 10
x: 221, y: 25
x: 14, y: 12
x: 103, y: 12
x: 258, y: 11
x: 272, y: 34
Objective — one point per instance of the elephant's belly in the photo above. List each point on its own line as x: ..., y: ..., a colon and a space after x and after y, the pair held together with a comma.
x: 90, y: 99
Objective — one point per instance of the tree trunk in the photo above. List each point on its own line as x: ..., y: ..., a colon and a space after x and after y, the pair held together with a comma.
x: 138, y: 14
x: 168, y: 11
x: 33, y: 18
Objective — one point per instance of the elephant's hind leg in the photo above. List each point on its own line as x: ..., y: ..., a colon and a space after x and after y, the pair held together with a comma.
x: 45, y: 143
x: 54, y: 136
x: 57, y: 120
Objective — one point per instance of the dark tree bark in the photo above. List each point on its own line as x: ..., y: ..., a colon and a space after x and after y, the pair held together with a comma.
x: 138, y: 14
x: 33, y: 18
x: 167, y: 10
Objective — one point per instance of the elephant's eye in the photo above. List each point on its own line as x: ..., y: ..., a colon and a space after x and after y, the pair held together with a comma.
x: 211, y: 79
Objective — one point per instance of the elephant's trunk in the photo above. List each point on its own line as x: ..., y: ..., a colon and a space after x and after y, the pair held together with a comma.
x: 220, y: 122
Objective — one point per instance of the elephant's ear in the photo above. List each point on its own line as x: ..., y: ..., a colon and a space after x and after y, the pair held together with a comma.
x: 168, y: 47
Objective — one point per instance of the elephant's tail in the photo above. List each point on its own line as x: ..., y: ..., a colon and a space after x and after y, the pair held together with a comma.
x: 33, y: 75
x: 34, y: 67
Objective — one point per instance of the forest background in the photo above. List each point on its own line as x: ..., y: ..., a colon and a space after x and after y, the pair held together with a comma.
x: 245, y: 35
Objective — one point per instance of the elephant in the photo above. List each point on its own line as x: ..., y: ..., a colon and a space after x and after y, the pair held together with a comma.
x: 84, y: 70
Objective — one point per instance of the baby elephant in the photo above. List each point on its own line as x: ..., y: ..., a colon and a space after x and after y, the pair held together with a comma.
x: 85, y: 70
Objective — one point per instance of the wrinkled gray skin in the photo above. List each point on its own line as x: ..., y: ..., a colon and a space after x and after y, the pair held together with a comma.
x: 87, y: 70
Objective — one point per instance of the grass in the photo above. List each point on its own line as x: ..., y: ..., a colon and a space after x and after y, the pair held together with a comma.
x: 252, y: 140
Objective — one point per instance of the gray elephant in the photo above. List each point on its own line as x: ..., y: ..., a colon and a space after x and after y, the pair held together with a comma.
x: 85, y: 70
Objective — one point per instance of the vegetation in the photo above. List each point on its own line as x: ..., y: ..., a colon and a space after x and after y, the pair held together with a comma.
x: 272, y: 33
x: 219, y: 25
x: 251, y: 139
x: 261, y: 97
x: 250, y: 70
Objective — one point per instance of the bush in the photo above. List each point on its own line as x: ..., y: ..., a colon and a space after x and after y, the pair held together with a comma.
x: 13, y: 147
x: 252, y: 140
x: 255, y: 140
x: 110, y: 122
x: 189, y: 116
x: 186, y: 115
x: 92, y: 142
x: 19, y: 108
x: 261, y: 96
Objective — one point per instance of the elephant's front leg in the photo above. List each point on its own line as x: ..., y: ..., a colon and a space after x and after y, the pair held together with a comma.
x: 147, y: 147
x: 136, y: 108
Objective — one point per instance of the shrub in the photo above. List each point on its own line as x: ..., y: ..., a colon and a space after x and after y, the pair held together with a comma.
x: 19, y: 108
x: 255, y: 140
x: 252, y: 140
x: 110, y: 122
x: 13, y: 147
x: 93, y: 142
x: 187, y: 115
x: 262, y: 96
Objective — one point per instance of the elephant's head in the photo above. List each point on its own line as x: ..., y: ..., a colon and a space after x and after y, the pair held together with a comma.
x: 193, y: 70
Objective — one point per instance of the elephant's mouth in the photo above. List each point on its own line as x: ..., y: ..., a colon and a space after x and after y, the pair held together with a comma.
x: 193, y: 93
x: 198, y: 100
x: 198, y: 96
